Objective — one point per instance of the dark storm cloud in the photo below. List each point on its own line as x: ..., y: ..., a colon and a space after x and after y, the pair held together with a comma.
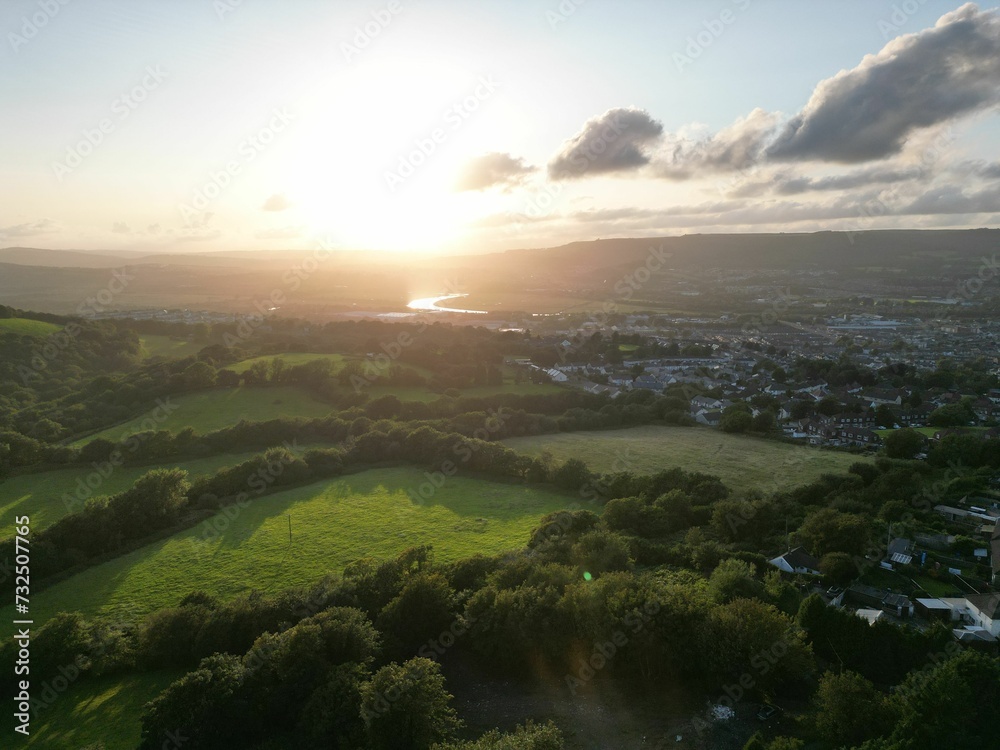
x: 494, y: 169
x: 915, y: 81
x: 617, y: 141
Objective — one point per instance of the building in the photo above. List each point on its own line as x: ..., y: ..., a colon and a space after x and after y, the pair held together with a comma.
x: 797, y: 561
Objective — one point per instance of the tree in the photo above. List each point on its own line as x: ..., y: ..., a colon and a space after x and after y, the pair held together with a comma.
x: 528, y: 737
x: 735, y: 579
x: 407, y: 707
x: 424, y: 609
x: 904, y: 443
x: 884, y: 416
x: 951, y: 415
x: 736, y: 418
x: 850, y: 710
x: 765, y: 421
x: 839, y: 568
x: 828, y: 530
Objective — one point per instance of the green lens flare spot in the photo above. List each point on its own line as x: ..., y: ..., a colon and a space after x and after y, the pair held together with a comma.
x: 587, y: 576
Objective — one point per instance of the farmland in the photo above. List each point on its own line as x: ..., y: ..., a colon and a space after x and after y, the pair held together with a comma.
x: 40, y: 495
x: 333, y: 523
x: 220, y: 407
x: 740, y: 461
x: 25, y: 327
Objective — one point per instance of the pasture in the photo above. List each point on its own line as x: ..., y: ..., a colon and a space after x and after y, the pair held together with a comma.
x: 216, y: 408
x: 371, y: 514
x: 41, y: 495
x: 25, y: 327
x: 740, y: 461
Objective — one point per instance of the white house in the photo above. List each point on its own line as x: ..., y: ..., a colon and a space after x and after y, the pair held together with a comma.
x: 797, y: 561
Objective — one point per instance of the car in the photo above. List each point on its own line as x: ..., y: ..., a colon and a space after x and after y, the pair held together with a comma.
x: 767, y: 712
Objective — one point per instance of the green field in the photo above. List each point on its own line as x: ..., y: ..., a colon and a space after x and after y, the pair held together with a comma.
x: 291, y: 360
x: 27, y: 327
x: 222, y: 407
x: 101, y: 709
x: 333, y: 523
x: 168, y: 347
x: 420, y: 393
x: 740, y: 461
x: 931, y: 431
x: 41, y: 495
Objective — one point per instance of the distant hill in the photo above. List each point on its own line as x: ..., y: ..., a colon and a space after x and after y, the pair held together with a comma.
x: 35, y: 256
x: 904, y: 249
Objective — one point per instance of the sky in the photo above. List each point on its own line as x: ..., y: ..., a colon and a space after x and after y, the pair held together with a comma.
x: 446, y: 126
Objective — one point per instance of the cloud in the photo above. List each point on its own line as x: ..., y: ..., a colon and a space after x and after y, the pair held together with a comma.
x: 276, y: 202
x: 153, y: 229
x: 283, y: 233
x: 617, y: 141
x: 915, y: 81
x: 784, y: 182
x: 735, y: 147
x: 493, y: 169
x: 29, y: 229
x: 121, y: 227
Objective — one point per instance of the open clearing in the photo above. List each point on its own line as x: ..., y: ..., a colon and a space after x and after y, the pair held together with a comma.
x: 290, y: 360
x: 420, y: 393
x: 333, y: 523
x: 740, y: 461
x: 221, y: 407
x: 169, y: 347
x: 26, y: 327
x: 41, y: 495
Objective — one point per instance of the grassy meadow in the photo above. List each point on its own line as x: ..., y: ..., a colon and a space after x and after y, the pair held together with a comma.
x: 740, y: 461
x: 214, y: 409
x: 98, y: 709
x: 26, y: 327
x: 333, y: 523
x: 41, y: 495
x: 169, y: 347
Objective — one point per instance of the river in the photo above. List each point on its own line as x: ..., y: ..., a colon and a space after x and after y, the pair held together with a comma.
x: 430, y: 304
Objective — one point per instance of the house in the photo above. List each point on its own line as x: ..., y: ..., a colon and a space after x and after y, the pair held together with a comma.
x: 797, y: 561
x: 705, y: 402
x: 900, y: 552
x: 869, y: 596
x: 978, y: 611
x: 648, y: 383
x: 859, y: 436
x: 557, y: 376
x: 709, y: 418
x: 877, y: 396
